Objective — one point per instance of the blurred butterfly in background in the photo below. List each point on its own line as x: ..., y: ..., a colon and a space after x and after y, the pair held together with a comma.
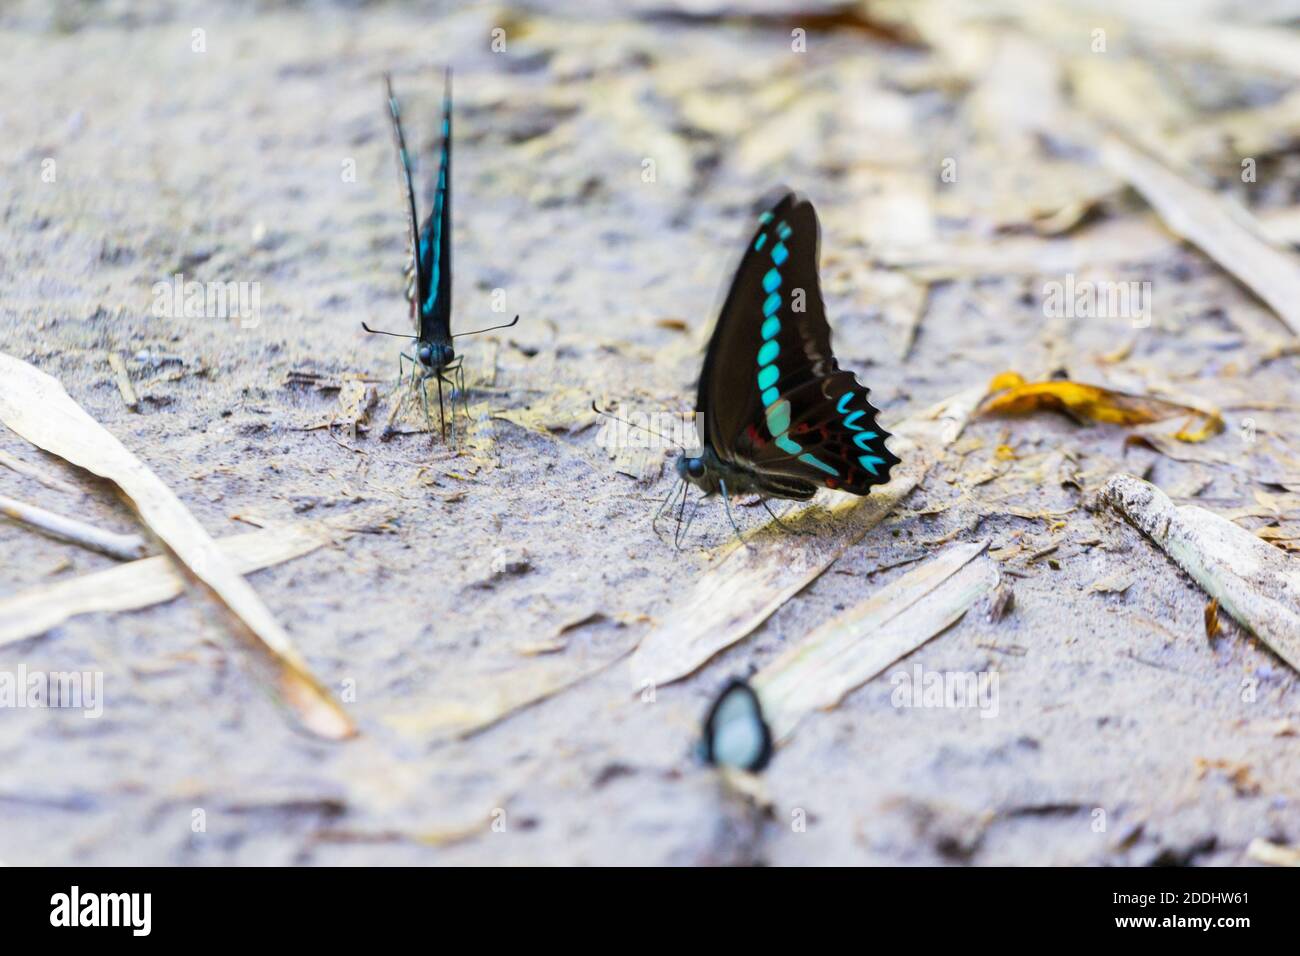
x: 779, y: 418
x: 428, y: 272
x: 735, y: 733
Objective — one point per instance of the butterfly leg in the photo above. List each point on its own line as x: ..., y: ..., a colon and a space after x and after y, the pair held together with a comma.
x: 695, y: 507
x: 451, y: 400
x: 401, y: 368
x: 403, y: 395
x: 779, y: 523
x: 464, y: 394
x: 672, y: 495
x: 424, y: 399
x: 726, y: 503
x: 442, y: 415
x: 677, y: 535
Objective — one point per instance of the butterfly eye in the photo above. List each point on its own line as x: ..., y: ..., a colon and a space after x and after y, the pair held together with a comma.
x: 425, y: 354
x: 696, y: 467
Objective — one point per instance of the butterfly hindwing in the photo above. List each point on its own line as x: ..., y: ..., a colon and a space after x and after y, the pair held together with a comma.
x: 774, y: 400
x: 404, y: 179
x: 435, y: 243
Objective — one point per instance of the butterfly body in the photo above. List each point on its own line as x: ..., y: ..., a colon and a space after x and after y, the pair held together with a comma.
x: 429, y: 267
x: 712, y: 475
x: 780, y: 417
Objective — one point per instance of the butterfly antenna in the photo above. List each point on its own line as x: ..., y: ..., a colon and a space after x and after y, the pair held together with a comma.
x: 492, y: 328
x: 400, y: 335
x: 645, y: 428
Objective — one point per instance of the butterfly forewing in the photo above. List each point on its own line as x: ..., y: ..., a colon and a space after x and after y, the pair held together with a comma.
x: 773, y: 398
x: 404, y: 182
x: 435, y: 243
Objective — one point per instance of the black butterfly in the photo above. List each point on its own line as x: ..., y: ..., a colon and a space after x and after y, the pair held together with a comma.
x: 429, y: 270
x: 778, y: 416
x: 735, y: 732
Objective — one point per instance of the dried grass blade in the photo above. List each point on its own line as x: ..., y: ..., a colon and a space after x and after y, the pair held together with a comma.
x: 35, y: 406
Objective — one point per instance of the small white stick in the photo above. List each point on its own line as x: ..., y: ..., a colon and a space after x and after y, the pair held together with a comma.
x: 126, y: 547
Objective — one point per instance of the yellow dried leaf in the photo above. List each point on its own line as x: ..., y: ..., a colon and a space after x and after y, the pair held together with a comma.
x: 1010, y: 394
x: 1212, y: 626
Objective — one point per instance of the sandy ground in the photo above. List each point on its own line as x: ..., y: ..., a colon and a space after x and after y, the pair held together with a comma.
x: 229, y: 165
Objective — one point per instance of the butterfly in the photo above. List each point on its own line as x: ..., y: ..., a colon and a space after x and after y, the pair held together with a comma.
x: 428, y: 270
x: 735, y: 733
x: 778, y: 416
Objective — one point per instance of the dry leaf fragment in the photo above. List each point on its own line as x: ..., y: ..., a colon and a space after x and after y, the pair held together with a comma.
x: 123, y: 379
x: 1257, y: 585
x: 149, y: 581
x: 1010, y: 394
x: 1227, y: 232
x: 1273, y: 854
x: 844, y: 653
x: 1239, y: 774
x: 356, y: 401
x: 1001, y: 603
x: 1117, y: 583
x: 35, y: 406
x: 1212, y: 620
x: 46, y: 478
x: 675, y: 325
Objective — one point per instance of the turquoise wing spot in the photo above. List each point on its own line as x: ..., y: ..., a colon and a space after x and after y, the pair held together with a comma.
x: 783, y: 231
x: 758, y: 243
x: 772, y: 303
x: 818, y: 463
x: 765, y: 218
x: 870, y: 462
x: 780, y: 253
x: 437, y: 234
x: 787, y: 444
x: 771, y: 281
x: 770, y: 395
x: 770, y: 327
x: 767, y: 376
x: 863, y: 438
x: 768, y: 352
x: 778, y: 419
